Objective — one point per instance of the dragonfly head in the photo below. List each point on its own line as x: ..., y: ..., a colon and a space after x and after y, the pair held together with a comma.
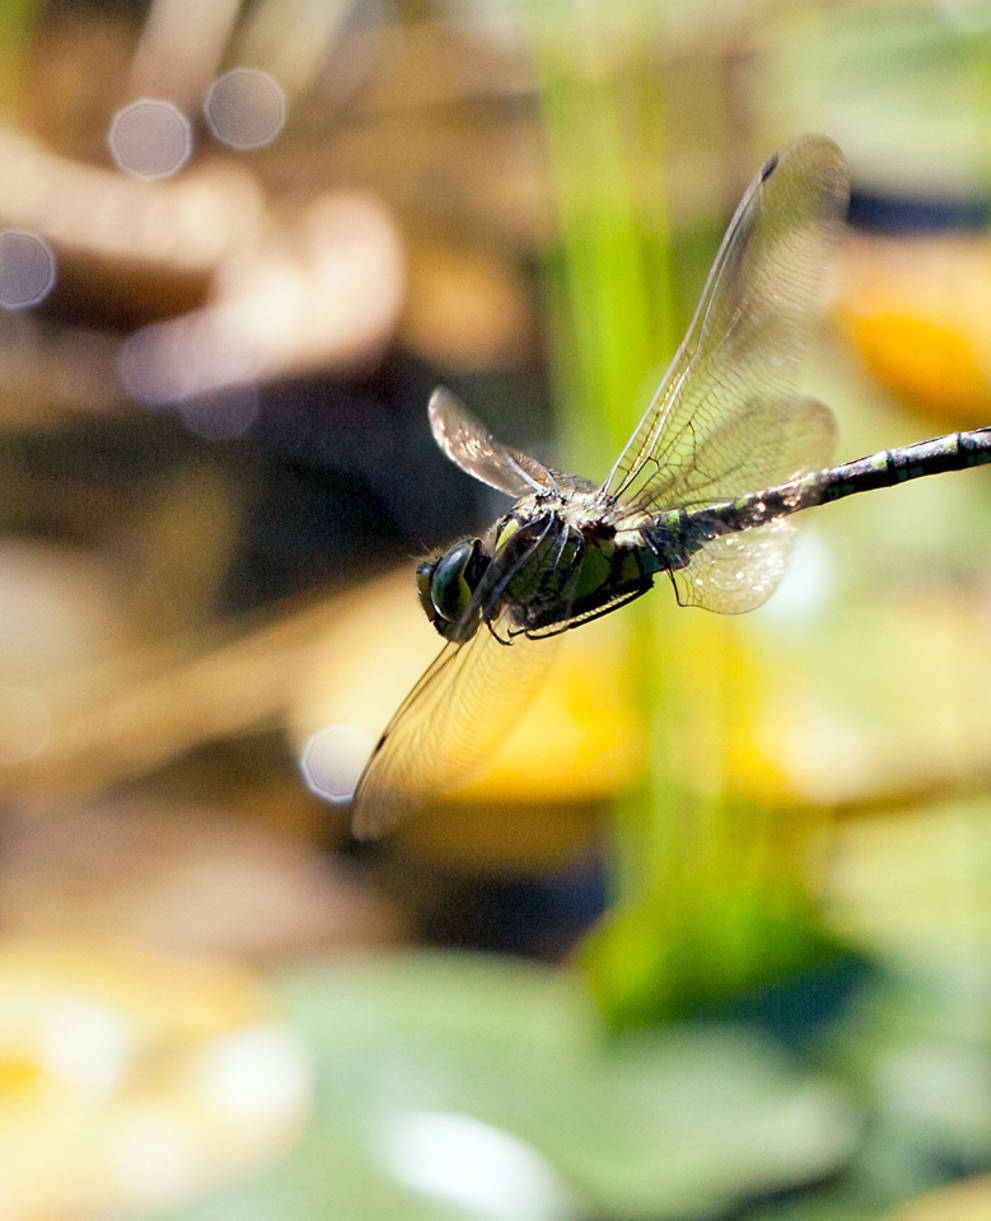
x: 446, y: 585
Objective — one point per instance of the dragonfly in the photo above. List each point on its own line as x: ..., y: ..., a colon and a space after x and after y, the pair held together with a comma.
x: 703, y: 493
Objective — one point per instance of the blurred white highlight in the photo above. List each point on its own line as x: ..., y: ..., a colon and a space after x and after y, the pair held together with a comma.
x: 86, y: 1048
x: 245, y: 108
x: 198, y: 354
x: 475, y: 1165
x: 27, y: 269
x: 809, y: 583
x: 332, y: 760
x: 971, y: 16
x: 194, y: 223
x: 180, y: 47
x: 256, y: 1075
x: 150, y: 139
x: 327, y: 292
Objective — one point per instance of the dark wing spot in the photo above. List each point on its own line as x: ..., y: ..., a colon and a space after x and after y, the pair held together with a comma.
x: 768, y: 168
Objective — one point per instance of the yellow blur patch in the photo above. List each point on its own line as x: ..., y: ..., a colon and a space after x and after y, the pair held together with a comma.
x: 969, y: 1200
x: 579, y: 743
x: 132, y: 1078
x: 579, y: 740
x: 922, y: 362
x: 918, y: 311
x: 836, y: 712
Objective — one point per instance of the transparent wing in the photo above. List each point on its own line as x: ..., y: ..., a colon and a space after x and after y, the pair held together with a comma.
x: 455, y: 715
x: 744, y: 346
x: 468, y: 443
x: 739, y: 571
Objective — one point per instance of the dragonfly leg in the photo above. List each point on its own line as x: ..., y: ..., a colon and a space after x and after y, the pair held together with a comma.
x: 495, y: 634
x: 580, y: 620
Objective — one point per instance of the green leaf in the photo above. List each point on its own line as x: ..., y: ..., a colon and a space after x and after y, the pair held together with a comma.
x: 439, y: 1076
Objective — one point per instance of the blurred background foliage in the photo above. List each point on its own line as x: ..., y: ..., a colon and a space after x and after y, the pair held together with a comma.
x: 710, y: 936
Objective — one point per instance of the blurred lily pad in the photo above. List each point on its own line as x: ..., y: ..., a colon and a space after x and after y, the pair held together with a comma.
x: 131, y: 1078
x: 919, y: 1050
x: 455, y: 1086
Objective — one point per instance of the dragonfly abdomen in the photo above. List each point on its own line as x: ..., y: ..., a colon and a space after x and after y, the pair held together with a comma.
x: 676, y: 535
x: 672, y: 538
x: 954, y: 452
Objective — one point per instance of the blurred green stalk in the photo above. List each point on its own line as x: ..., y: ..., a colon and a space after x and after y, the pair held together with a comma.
x: 619, y: 328
x: 699, y: 912
x: 610, y: 288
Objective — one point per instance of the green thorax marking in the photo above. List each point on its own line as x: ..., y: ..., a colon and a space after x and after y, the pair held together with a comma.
x: 580, y: 567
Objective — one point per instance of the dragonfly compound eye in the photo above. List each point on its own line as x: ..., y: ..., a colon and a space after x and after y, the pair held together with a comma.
x: 446, y: 585
x: 450, y: 592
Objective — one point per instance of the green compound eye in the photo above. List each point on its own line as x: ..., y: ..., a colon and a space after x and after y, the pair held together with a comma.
x: 450, y: 592
x: 445, y: 586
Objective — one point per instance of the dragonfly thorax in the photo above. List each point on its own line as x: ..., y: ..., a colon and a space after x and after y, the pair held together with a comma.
x: 552, y: 562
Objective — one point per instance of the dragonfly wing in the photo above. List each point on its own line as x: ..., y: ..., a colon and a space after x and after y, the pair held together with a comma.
x: 745, y: 344
x: 457, y: 713
x: 737, y: 572
x: 469, y: 444
x: 772, y: 443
